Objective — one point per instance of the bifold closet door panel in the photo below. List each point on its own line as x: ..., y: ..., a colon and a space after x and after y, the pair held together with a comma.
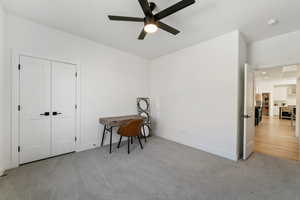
x: 63, y: 108
x: 35, y: 121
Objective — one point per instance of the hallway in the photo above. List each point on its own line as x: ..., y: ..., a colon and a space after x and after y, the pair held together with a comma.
x: 276, y: 137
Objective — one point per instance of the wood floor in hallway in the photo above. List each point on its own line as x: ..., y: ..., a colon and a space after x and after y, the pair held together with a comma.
x: 276, y: 137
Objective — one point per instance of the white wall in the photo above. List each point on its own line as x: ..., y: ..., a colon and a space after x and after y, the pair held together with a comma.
x: 196, y: 95
x: 111, y: 80
x: 277, y: 51
x: 2, y: 15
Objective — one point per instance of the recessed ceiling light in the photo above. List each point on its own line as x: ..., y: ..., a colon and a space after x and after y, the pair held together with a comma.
x: 273, y: 22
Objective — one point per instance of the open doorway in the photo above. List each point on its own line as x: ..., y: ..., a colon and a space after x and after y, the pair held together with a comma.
x: 276, y: 111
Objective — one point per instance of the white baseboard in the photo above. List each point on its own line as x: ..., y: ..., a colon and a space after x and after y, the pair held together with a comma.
x: 211, y: 150
x: 86, y: 147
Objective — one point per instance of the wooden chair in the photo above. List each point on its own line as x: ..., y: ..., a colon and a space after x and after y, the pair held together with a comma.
x: 293, y: 116
x: 130, y: 130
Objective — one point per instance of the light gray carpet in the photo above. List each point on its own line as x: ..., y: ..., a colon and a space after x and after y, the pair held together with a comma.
x: 162, y: 171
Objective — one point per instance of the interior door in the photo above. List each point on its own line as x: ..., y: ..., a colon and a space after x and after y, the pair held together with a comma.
x: 249, y: 112
x: 63, y: 108
x: 35, y: 121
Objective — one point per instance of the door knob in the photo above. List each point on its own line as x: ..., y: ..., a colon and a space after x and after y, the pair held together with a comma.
x: 45, y: 114
x: 56, y: 113
x: 247, y: 116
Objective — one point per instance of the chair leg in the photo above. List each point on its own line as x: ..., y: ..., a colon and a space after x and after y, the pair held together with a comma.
x: 128, y: 145
x: 120, y: 142
x: 144, y: 133
x: 103, y: 134
x: 140, y: 141
x: 131, y: 140
x: 110, y: 140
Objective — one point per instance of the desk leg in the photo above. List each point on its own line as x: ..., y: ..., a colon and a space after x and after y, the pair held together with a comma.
x: 110, y: 142
x: 103, y: 135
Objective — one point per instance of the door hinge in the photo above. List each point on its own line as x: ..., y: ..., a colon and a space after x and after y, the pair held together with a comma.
x: 19, y: 148
x: 75, y: 139
x: 19, y: 67
x: 19, y: 107
x: 76, y: 74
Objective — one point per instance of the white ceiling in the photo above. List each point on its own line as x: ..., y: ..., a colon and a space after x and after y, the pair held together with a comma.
x: 204, y: 20
x: 278, y: 73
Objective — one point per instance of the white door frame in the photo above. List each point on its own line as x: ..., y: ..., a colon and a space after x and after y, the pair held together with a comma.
x: 297, y: 123
x: 15, y: 100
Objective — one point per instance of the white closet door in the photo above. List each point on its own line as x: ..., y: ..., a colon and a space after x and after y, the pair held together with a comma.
x: 35, y: 127
x: 63, y: 108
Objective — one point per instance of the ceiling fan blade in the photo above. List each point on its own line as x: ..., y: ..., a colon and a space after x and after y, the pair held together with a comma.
x: 146, y: 7
x: 173, y: 9
x: 142, y: 35
x: 123, y: 18
x: 167, y: 28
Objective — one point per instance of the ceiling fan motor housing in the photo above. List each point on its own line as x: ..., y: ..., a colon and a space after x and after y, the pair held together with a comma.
x: 150, y: 20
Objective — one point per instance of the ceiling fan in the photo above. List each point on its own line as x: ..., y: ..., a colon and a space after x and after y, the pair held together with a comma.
x: 152, y: 21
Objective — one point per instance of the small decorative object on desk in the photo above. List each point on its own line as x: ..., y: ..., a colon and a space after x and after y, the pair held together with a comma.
x: 143, y: 108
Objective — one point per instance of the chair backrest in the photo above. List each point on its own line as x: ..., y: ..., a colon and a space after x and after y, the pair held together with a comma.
x: 132, y: 128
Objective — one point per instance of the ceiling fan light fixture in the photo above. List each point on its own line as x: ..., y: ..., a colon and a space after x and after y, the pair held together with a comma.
x: 150, y: 28
x: 152, y: 21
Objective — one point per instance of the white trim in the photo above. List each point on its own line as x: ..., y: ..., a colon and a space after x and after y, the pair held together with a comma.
x: 208, y: 149
x: 15, y: 89
x: 297, y: 106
